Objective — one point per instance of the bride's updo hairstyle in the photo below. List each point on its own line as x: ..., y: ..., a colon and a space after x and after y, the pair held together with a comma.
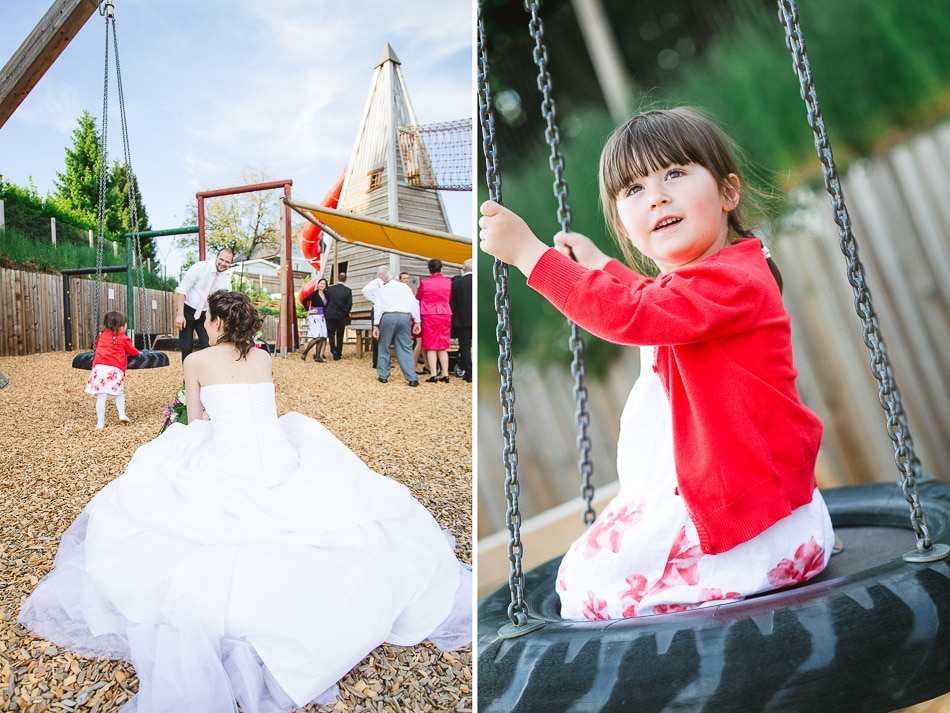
x: 240, y: 320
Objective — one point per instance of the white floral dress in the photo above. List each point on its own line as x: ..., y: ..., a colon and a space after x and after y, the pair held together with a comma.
x: 642, y: 554
x: 104, y: 379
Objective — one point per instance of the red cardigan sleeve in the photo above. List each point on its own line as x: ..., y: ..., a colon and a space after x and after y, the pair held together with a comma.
x: 127, y: 345
x: 709, y: 300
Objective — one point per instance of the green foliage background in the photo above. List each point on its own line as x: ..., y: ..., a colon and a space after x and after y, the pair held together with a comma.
x: 881, y: 67
x: 74, y: 204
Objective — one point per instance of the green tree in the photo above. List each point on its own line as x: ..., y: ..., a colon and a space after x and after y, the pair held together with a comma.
x: 118, y: 210
x: 248, y: 223
x: 77, y: 190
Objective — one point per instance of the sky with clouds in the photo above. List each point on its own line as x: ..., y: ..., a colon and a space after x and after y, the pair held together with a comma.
x: 217, y: 86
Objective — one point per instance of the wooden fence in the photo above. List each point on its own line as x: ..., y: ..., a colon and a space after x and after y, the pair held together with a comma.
x: 900, y: 212
x: 32, y: 310
x: 32, y: 306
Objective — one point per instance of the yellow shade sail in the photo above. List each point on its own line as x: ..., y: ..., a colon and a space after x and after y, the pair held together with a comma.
x: 397, y: 238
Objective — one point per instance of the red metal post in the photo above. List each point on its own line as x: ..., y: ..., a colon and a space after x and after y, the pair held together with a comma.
x: 287, y: 322
x: 201, y: 227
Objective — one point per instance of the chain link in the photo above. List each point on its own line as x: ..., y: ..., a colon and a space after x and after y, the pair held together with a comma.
x: 103, y: 172
x: 576, y: 341
x: 138, y: 266
x: 517, y: 609
x: 888, y: 394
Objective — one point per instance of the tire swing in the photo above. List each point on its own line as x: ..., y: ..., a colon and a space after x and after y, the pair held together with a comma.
x: 871, y: 633
x: 147, y: 358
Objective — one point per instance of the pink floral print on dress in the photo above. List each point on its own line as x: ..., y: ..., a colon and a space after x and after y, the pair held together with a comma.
x: 595, y: 609
x: 809, y: 560
x: 610, y: 526
x: 681, y: 568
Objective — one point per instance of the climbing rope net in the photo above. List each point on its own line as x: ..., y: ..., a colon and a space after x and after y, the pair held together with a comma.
x: 438, y: 156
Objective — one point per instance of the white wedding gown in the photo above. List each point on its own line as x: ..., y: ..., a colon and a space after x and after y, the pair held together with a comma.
x: 251, y: 558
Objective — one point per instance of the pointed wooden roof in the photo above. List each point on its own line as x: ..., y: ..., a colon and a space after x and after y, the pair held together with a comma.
x: 386, y: 155
x: 387, y: 55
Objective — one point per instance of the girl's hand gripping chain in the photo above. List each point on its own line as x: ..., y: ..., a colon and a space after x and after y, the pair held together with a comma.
x: 506, y: 236
x: 582, y: 249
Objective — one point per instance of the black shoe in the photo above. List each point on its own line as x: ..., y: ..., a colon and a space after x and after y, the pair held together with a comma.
x: 413, y: 383
x: 432, y: 379
x: 336, y: 357
x: 444, y: 379
x: 382, y: 380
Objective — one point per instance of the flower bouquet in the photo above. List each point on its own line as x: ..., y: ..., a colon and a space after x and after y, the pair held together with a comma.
x: 177, y: 412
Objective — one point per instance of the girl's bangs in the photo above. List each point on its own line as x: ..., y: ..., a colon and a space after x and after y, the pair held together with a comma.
x: 643, y: 149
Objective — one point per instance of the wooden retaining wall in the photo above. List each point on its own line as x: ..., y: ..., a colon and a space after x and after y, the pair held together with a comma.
x: 900, y: 212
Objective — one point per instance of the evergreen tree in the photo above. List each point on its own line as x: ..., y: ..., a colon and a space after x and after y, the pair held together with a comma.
x: 118, y: 213
x: 77, y: 190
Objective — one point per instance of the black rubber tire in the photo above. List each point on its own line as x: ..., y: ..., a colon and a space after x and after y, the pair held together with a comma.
x: 872, y: 633
x: 146, y: 359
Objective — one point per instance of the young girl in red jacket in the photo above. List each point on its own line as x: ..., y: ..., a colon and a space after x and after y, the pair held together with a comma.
x: 109, y: 363
x: 716, y: 459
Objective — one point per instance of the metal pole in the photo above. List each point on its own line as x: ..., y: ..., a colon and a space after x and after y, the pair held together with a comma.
x: 129, y: 288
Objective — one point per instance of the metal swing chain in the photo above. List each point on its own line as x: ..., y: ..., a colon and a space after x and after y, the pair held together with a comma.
x: 517, y: 609
x: 137, y: 260
x: 103, y: 168
x: 888, y: 394
x: 576, y: 341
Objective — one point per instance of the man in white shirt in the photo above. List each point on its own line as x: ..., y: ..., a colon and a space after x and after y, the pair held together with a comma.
x: 191, y: 298
x: 395, y: 320
x: 371, y: 292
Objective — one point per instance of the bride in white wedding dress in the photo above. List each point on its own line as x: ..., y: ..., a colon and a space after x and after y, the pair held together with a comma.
x: 228, y: 569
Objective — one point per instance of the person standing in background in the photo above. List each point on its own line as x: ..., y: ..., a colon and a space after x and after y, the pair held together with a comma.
x: 339, y: 304
x: 434, y: 294
x: 396, y: 320
x: 371, y: 292
x: 461, y: 303
x: 191, y: 298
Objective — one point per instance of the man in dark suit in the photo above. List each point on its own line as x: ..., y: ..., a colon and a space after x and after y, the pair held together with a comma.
x: 337, y: 312
x: 461, y: 303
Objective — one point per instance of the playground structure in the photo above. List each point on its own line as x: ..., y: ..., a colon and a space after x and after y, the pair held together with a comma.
x: 386, y: 206
x: 287, y: 335
x: 390, y: 187
x: 39, y: 50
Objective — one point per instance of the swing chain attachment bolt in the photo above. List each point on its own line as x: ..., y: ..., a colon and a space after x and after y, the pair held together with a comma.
x: 937, y: 552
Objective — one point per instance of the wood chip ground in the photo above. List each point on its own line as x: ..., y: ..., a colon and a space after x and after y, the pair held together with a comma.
x: 52, y: 461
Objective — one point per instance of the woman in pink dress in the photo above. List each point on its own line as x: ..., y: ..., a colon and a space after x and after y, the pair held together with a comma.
x: 433, y: 295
